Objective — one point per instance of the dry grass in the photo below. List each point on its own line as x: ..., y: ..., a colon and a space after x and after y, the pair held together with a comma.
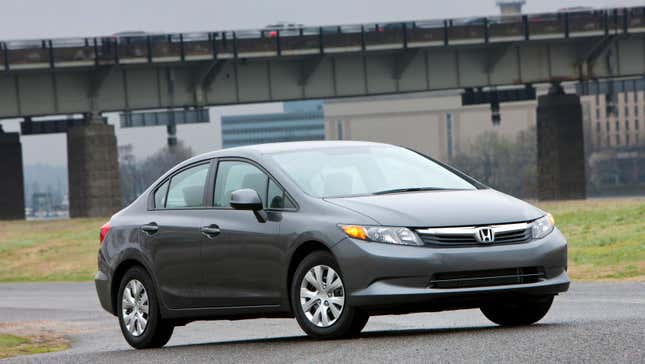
x: 606, y: 242
x: 12, y: 345
x: 60, y: 250
x: 606, y: 237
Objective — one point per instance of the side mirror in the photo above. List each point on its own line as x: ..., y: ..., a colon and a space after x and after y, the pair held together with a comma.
x: 246, y: 199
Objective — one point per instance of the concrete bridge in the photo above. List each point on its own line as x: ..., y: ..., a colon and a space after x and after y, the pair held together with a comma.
x: 90, y: 76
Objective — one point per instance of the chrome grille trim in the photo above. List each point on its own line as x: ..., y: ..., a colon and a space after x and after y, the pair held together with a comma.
x: 470, y: 230
x: 464, y: 236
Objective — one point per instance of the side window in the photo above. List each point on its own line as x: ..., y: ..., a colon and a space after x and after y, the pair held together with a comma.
x: 234, y: 175
x: 160, y: 195
x: 187, y: 187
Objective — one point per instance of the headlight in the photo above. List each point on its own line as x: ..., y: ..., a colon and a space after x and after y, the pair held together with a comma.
x: 542, y: 226
x: 381, y: 234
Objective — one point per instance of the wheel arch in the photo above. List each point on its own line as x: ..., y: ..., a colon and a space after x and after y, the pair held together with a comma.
x: 303, y: 250
x: 122, y: 267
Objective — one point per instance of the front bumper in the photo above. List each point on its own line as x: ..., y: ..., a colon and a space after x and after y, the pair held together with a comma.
x: 397, y: 278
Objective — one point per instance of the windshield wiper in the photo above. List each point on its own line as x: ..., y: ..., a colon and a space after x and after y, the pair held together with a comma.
x: 409, y: 189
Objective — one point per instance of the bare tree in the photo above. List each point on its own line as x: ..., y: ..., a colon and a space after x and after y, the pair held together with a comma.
x: 137, y: 176
x: 160, y: 162
x: 506, y: 165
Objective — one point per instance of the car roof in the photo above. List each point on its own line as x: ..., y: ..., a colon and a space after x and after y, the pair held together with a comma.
x: 271, y: 148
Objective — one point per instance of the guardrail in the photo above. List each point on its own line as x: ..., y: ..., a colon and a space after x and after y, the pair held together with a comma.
x: 159, y: 48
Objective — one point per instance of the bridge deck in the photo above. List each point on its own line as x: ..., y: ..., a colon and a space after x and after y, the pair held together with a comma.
x: 165, y: 48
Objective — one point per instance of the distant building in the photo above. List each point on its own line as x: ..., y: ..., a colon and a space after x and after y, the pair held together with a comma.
x: 432, y: 123
x: 620, y: 126
x: 301, y: 120
x: 438, y: 125
x: 41, y: 204
x: 511, y: 7
x: 615, y: 141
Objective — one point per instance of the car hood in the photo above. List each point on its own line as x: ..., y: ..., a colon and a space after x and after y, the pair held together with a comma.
x: 441, y: 208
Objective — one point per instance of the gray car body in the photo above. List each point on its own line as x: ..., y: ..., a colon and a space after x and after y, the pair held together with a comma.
x: 245, y: 271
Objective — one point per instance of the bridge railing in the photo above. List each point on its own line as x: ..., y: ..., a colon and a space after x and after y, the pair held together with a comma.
x: 159, y: 48
x: 306, y: 41
x: 589, y: 23
x: 635, y: 21
x: 166, y: 49
x: 429, y: 33
x: 72, y: 52
x: 198, y: 46
x: 27, y: 54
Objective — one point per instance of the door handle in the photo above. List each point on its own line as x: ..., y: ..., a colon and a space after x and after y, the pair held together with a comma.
x: 150, y: 228
x: 211, y: 231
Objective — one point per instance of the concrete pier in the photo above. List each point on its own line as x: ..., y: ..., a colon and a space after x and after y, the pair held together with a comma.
x: 561, y: 159
x: 94, y: 180
x: 12, y: 192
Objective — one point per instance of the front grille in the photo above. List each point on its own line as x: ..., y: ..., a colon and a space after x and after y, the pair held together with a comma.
x: 465, y: 236
x: 484, y: 278
x: 513, y: 237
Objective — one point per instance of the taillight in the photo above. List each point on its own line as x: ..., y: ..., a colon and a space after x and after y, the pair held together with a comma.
x: 104, y: 230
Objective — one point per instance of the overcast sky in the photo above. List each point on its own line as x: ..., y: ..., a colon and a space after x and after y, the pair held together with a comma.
x: 69, y: 18
x: 20, y: 19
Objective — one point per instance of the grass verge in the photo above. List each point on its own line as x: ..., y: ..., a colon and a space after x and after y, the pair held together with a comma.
x: 56, y: 250
x: 606, y: 242
x: 12, y: 345
x: 606, y: 237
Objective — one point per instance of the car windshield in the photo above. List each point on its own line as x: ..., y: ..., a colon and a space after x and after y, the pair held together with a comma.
x: 365, y: 170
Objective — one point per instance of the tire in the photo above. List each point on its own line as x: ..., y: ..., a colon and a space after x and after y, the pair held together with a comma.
x: 349, y: 321
x: 156, y: 332
x: 520, y: 312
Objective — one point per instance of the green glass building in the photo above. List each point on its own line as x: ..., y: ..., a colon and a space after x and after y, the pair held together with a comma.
x: 300, y: 120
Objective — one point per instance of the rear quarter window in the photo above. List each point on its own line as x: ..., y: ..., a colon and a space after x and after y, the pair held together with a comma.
x: 160, y: 195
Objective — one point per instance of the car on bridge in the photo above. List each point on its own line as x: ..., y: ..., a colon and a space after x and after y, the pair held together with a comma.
x: 284, y: 28
x: 327, y: 232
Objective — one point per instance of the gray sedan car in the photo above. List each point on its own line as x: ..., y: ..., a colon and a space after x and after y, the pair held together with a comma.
x: 329, y: 233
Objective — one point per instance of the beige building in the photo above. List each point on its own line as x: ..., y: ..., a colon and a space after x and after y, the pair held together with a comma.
x: 439, y: 126
x: 435, y: 125
x: 623, y: 128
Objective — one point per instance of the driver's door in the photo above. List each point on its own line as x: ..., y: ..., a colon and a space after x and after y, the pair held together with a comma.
x: 242, y: 260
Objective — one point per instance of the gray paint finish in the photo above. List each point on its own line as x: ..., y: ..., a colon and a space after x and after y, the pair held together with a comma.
x: 244, y: 271
x: 442, y: 208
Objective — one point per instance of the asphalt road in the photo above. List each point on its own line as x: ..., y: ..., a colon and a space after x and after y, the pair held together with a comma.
x: 593, y: 322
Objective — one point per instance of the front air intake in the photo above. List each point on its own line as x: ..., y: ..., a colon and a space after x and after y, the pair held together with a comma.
x: 484, y: 278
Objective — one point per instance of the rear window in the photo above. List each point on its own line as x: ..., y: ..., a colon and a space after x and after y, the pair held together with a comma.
x: 187, y: 188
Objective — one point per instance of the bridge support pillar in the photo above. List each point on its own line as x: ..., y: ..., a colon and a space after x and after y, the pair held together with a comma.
x: 93, y: 168
x: 12, y: 193
x: 561, y: 158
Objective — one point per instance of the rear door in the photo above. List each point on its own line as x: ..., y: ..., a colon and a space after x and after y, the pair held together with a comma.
x: 172, y: 233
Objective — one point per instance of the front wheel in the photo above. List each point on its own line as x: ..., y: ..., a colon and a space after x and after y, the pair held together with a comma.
x: 138, y: 311
x: 319, y: 300
x: 520, y: 312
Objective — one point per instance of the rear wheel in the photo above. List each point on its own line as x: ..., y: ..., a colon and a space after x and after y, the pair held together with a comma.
x: 319, y: 299
x: 138, y: 311
x: 518, y: 312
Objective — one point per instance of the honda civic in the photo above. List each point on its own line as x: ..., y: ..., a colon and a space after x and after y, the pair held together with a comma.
x: 328, y: 232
